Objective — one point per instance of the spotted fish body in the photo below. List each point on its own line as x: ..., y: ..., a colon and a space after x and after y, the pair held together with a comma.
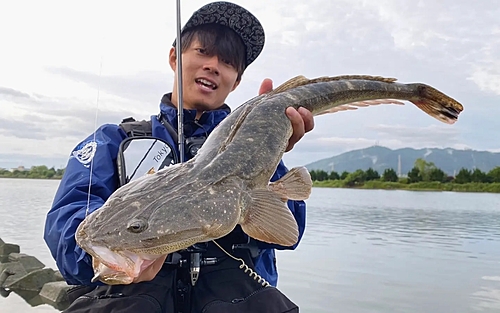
x: 227, y: 182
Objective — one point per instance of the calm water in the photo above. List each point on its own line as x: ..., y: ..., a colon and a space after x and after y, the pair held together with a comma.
x: 363, y: 251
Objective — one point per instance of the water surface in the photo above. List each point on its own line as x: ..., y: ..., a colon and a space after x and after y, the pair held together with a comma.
x: 363, y: 250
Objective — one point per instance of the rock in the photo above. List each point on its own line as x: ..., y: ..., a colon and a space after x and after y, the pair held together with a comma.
x: 4, y: 293
x: 3, y: 277
x: 31, y: 297
x: 32, y: 281
x: 58, y: 276
x: 15, y: 270
x: 30, y: 263
x: 55, y: 294
x: 26, y: 276
x: 6, y: 249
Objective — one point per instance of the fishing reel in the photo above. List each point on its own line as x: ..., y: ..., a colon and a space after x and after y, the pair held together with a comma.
x: 193, y: 144
x: 192, y: 257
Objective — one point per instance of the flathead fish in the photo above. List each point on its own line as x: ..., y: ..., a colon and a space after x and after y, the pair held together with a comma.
x: 227, y: 182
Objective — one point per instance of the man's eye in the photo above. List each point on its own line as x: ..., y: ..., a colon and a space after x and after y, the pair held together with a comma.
x: 227, y: 62
x: 202, y: 51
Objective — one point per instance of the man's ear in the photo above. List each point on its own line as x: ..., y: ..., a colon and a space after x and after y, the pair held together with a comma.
x: 172, y: 59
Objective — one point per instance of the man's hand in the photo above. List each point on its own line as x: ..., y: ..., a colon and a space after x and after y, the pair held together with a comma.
x: 150, y: 272
x: 302, y: 119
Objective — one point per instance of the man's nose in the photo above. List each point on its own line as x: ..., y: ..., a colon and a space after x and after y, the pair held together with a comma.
x: 212, y: 64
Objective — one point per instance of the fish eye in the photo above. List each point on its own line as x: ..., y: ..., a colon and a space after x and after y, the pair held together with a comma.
x: 137, y: 226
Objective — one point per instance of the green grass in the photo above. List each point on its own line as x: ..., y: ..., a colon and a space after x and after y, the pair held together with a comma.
x: 426, y: 186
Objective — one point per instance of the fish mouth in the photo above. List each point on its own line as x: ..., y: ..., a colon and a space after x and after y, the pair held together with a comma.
x: 206, y: 83
x: 117, y: 275
x: 118, y: 267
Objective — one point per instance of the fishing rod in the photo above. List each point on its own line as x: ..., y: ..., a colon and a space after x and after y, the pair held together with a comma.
x: 180, y: 118
x: 195, y: 258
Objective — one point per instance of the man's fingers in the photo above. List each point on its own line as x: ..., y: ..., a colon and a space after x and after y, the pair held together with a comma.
x: 297, y: 126
x: 307, y: 118
x: 297, y: 121
x: 151, y: 272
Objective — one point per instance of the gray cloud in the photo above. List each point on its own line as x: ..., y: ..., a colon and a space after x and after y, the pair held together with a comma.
x: 146, y: 87
x: 9, y: 92
x: 50, y: 118
x: 21, y: 129
x: 79, y: 122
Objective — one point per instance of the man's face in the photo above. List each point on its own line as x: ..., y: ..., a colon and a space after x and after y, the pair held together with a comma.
x: 207, y: 80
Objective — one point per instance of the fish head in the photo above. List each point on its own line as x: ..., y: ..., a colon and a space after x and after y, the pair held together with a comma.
x: 111, y: 265
x: 126, y: 234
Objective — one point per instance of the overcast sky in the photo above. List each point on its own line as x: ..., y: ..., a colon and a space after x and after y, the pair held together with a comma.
x: 64, y: 63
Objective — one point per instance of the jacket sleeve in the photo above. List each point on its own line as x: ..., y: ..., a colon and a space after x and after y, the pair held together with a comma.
x: 69, y: 207
x: 298, y: 209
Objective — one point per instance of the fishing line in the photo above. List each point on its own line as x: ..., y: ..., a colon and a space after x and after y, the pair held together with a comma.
x: 246, y: 268
x: 180, y: 118
x: 94, y: 143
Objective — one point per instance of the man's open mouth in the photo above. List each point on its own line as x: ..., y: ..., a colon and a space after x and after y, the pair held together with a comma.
x: 206, y: 83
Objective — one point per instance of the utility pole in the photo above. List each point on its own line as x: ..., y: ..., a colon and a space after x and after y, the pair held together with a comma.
x: 399, y: 165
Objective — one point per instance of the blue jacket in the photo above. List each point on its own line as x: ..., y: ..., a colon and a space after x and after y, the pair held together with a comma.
x: 70, y: 203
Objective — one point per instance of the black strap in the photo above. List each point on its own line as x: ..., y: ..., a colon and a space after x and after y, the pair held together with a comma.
x: 170, y: 128
x: 135, y: 128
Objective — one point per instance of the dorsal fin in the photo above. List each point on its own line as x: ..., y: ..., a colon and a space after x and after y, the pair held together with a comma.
x: 291, y: 83
x: 349, y: 77
x: 302, y: 80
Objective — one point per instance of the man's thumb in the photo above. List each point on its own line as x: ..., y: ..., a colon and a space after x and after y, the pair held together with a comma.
x: 266, y: 86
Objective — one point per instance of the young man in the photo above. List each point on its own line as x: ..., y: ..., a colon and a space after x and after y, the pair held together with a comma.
x: 218, y: 42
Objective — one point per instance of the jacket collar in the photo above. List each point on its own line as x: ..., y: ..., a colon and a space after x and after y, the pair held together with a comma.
x: 208, y: 120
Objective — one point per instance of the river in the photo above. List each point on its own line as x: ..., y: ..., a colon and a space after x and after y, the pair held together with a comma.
x: 363, y: 251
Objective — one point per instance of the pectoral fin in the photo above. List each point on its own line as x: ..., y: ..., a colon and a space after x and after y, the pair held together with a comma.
x: 294, y: 185
x: 267, y: 218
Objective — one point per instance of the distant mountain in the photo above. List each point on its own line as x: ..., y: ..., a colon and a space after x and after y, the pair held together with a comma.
x: 380, y: 158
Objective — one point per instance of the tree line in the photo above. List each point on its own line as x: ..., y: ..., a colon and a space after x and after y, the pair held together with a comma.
x: 422, y: 171
x: 42, y: 172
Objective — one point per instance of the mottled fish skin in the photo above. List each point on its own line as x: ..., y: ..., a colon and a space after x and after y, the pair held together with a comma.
x: 251, y: 141
x: 206, y: 197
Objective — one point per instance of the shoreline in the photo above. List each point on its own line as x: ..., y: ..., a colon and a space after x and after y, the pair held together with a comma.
x: 420, y: 186
x: 380, y: 185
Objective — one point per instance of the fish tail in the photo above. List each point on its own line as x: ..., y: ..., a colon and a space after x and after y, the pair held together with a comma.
x: 435, y: 103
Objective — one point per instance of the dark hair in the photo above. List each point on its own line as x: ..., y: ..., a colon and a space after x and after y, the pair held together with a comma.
x: 218, y: 40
